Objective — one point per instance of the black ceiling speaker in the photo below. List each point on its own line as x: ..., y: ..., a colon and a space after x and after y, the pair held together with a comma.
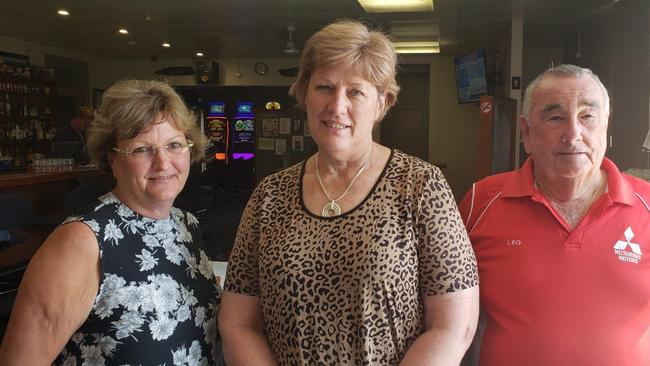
x: 176, y: 71
x: 290, y: 72
x: 207, y: 72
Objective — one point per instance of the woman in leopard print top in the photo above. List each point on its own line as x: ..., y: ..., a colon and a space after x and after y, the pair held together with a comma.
x: 357, y: 255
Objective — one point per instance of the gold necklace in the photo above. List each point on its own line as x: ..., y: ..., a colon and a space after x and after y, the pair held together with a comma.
x: 332, y: 208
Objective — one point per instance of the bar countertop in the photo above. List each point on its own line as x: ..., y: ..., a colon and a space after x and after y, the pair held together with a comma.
x: 31, y: 176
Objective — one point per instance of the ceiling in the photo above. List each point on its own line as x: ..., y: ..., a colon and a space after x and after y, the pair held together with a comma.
x: 257, y: 28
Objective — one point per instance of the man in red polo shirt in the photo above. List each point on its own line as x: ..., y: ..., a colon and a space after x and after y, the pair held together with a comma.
x: 563, y: 243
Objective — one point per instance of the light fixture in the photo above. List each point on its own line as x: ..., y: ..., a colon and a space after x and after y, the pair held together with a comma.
x: 63, y: 12
x: 290, y: 48
x: 166, y: 45
x: 417, y: 47
x: 396, y: 6
x: 123, y: 31
x: 273, y: 105
x: 199, y: 54
x: 415, y: 36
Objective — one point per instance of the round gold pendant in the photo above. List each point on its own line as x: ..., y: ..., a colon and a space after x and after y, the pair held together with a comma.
x: 331, y: 209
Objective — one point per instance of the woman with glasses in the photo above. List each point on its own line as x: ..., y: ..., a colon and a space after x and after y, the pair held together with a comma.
x: 126, y: 281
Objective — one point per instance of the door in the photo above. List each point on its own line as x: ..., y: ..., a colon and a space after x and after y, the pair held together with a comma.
x: 406, y: 126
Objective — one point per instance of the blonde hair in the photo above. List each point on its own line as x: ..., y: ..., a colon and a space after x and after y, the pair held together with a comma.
x: 351, y: 45
x: 130, y: 107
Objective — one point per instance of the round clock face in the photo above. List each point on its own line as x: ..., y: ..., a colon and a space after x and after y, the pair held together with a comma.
x: 261, y: 68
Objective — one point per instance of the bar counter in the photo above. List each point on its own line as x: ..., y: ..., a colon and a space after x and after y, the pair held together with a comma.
x: 30, y: 176
x: 46, y: 190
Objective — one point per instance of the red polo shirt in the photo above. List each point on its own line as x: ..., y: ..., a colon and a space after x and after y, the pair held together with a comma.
x: 555, y: 296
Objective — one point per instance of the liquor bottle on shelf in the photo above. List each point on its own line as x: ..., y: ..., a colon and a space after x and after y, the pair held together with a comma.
x: 19, y: 132
x: 11, y: 131
x: 29, y: 158
x: 7, y: 105
x: 38, y: 125
x: 29, y: 130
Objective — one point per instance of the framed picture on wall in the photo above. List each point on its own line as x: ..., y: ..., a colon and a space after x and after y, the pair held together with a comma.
x: 297, y: 143
x: 297, y: 127
x: 97, y: 97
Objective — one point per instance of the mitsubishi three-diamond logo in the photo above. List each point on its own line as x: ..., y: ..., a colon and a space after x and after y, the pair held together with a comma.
x: 633, y: 255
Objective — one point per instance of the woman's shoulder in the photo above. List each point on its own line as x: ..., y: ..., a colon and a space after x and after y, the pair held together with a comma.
x: 286, y: 176
x: 73, y: 237
x: 404, y: 162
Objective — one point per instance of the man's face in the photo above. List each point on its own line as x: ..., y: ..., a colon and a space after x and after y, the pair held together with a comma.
x: 79, y: 124
x: 566, y: 130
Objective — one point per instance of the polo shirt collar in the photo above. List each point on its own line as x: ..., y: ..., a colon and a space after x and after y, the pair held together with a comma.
x: 522, y: 183
x: 618, y: 188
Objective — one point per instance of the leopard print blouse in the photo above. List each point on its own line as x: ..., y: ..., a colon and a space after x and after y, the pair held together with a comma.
x: 348, y: 289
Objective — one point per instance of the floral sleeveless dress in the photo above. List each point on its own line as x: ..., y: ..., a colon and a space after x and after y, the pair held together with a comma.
x: 157, y: 300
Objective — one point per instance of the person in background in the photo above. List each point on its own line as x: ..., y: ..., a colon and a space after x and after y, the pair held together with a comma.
x: 563, y: 243
x: 358, y: 254
x: 75, y: 132
x: 127, y: 281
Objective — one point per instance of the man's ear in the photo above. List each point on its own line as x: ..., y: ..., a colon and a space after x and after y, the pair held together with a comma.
x: 524, y: 127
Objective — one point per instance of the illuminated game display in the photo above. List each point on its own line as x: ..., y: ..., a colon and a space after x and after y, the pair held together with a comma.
x: 243, y: 146
x: 218, y: 130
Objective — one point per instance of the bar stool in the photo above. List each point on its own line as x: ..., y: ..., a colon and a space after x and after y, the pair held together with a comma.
x: 15, y: 214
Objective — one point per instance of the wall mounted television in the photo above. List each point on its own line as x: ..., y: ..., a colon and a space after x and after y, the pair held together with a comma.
x: 471, y: 76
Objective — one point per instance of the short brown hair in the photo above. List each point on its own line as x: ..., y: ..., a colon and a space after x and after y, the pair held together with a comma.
x: 350, y: 44
x: 130, y: 107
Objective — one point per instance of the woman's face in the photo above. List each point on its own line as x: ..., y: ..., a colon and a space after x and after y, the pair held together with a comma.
x: 147, y: 184
x: 342, y: 109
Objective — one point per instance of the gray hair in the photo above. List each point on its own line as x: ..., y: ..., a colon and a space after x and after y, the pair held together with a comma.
x: 564, y: 70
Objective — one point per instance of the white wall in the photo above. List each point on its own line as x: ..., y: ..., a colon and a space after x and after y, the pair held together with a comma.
x: 228, y: 68
x: 104, y: 72
x: 453, y: 127
x: 457, y: 130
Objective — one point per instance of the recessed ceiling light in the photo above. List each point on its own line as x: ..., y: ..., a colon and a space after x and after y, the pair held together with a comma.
x: 63, y: 12
x: 123, y: 31
x: 165, y: 44
x: 396, y: 6
x: 417, y: 47
x: 199, y: 54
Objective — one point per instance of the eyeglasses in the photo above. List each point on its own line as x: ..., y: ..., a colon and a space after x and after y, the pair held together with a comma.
x: 173, y: 149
